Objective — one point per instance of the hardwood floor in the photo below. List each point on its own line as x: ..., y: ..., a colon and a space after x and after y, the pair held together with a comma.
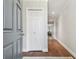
x: 54, y: 49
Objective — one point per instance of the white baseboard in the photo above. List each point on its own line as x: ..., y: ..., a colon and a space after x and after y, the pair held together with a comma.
x: 47, y: 57
x: 54, y: 36
x: 69, y: 50
x: 25, y: 51
x: 45, y: 50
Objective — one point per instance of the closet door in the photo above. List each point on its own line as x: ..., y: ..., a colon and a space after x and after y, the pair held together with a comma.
x: 35, y: 25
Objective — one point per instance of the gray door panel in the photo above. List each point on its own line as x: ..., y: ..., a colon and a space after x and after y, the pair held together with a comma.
x: 8, y: 52
x: 19, y: 48
x: 8, y: 13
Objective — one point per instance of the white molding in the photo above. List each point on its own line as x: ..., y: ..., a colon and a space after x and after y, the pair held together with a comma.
x: 54, y: 36
x: 45, y: 50
x: 26, y: 50
x: 68, y: 49
x: 47, y: 57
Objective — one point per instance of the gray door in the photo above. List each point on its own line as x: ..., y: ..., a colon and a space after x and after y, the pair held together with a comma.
x: 12, y: 29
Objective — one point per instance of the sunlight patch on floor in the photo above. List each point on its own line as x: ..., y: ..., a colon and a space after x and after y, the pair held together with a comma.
x: 47, y: 58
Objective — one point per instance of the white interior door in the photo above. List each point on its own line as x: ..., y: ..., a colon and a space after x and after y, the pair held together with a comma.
x: 35, y: 29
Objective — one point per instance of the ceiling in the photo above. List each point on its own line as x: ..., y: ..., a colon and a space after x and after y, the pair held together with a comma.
x: 56, y: 6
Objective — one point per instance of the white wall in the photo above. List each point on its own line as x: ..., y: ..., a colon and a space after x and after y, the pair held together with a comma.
x: 32, y: 4
x: 66, y: 31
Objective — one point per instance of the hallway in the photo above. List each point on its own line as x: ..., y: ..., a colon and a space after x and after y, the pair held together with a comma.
x: 54, y: 49
x: 27, y: 24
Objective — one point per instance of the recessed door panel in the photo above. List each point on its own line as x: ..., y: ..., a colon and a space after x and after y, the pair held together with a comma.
x: 8, y: 52
x: 19, y: 48
x: 8, y: 14
x: 19, y: 17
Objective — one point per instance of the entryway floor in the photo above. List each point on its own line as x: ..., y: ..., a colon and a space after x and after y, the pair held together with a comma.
x: 55, y: 49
